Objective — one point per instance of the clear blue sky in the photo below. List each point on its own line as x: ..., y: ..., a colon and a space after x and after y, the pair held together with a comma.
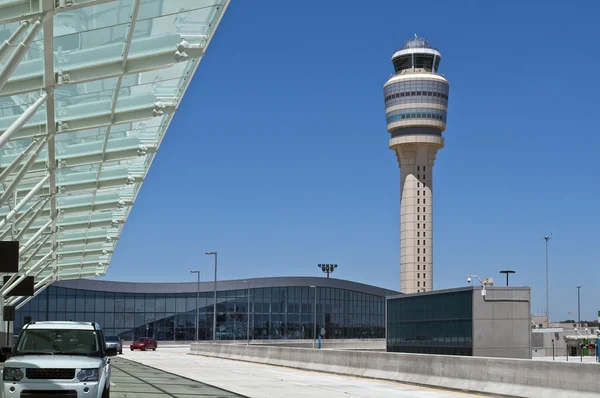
x: 278, y: 157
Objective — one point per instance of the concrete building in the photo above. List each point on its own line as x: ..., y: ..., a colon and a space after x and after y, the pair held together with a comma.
x: 461, y: 321
x: 416, y: 103
x: 565, y: 340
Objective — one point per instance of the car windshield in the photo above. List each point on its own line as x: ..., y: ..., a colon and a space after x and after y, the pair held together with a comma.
x: 141, y: 339
x: 58, y: 342
x: 112, y: 338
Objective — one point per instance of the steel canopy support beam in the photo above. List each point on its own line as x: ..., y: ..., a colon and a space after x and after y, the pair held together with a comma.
x: 23, y: 201
x: 22, y: 119
x: 12, y: 40
x: 106, y: 182
x: 36, y: 251
x: 49, y: 84
x: 76, y: 209
x: 16, y: 57
x: 94, y: 121
x: 35, y: 236
x: 40, y: 288
x: 92, y: 157
x: 16, y: 162
x: 15, y: 183
x: 9, y: 285
x: 31, y: 220
x: 161, y: 59
x: 22, y: 216
x: 20, y: 10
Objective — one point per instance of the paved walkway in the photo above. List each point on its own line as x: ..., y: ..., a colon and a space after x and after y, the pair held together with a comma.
x: 134, y: 380
x: 264, y: 381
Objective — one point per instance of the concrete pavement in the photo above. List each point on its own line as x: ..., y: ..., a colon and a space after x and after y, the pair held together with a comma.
x: 265, y: 381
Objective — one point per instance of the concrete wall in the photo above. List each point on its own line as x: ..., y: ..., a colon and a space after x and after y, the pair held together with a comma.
x: 510, y: 377
x: 335, y: 344
x: 502, y: 322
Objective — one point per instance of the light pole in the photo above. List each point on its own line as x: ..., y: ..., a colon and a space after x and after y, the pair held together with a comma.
x: 578, y: 307
x: 327, y: 268
x: 214, y: 298
x: 507, y: 271
x: 248, y: 315
x: 547, y: 238
x: 315, y: 319
x: 197, y: 301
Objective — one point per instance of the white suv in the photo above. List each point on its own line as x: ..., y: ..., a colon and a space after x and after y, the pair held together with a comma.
x: 67, y: 359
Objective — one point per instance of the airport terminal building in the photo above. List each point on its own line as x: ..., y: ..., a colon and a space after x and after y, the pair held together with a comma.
x: 279, y: 308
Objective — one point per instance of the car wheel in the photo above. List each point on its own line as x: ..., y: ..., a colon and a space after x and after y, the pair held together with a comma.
x: 132, y: 349
x: 154, y: 349
x: 121, y: 352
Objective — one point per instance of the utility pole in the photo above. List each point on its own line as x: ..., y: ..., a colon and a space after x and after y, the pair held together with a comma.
x: 578, y: 307
x: 197, y: 302
x: 547, y: 238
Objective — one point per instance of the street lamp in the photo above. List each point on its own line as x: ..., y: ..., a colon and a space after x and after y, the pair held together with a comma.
x: 315, y: 318
x: 507, y: 271
x: 327, y: 268
x: 214, y: 298
x: 547, y: 238
x: 578, y: 306
x: 248, y: 315
x: 197, y: 301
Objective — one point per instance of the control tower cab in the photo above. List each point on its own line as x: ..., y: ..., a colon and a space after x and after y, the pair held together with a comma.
x: 416, y: 105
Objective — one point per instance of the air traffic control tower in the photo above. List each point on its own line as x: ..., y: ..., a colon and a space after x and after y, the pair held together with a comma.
x: 416, y: 103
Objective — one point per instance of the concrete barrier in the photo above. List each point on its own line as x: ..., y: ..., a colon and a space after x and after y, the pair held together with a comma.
x: 509, y: 377
x: 336, y: 344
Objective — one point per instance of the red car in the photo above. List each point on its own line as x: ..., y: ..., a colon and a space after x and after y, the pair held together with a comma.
x: 144, y: 343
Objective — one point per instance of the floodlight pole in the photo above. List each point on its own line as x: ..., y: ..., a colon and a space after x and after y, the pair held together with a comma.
x: 197, y: 302
x: 547, y: 238
x: 578, y: 306
x: 215, y: 297
x: 327, y: 268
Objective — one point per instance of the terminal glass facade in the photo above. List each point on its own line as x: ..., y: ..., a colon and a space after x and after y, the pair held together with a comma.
x: 431, y: 323
x: 275, y: 313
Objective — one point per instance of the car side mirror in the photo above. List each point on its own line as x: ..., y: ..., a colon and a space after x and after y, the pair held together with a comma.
x: 111, y: 351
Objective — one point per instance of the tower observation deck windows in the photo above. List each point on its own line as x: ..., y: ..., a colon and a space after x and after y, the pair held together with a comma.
x: 424, y: 61
x: 402, y: 63
x: 416, y: 91
x: 416, y: 113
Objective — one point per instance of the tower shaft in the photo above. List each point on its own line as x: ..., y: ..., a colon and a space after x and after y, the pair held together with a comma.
x: 416, y: 162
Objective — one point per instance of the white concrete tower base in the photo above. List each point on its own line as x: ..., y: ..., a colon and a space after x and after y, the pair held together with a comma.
x: 416, y: 158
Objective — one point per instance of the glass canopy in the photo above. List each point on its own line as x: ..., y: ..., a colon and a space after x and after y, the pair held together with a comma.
x: 87, y: 91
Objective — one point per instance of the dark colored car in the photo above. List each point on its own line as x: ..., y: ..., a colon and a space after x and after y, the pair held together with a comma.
x: 144, y: 343
x: 114, y: 341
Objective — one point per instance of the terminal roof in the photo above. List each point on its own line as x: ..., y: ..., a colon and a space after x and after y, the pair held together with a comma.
x: 87, y: 91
